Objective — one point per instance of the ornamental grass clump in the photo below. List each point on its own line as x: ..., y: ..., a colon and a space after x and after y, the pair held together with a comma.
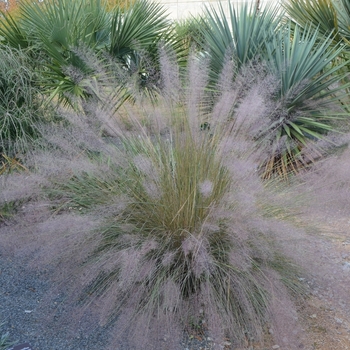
x: 20, y: 102
x: 183, y: 240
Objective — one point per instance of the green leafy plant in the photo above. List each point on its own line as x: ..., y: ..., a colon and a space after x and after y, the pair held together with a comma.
x: 59, y: 32
x: 137, y: 28
x: 135, y: 37
x: 12, y: 32
x: 322, y: 15
x: 190, y: 33
x: 64, y: 23
x: 20, y: 102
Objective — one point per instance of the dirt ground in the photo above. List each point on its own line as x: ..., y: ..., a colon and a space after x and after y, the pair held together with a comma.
x: 326, y: 317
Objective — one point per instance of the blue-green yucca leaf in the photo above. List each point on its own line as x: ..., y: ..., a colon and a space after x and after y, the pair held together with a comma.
x: 243, y: 36
x: 304, y: 64
x: 343, y: 11
x: 308, y: 72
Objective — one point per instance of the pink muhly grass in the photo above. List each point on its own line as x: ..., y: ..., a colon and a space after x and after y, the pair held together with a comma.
x: 170, y: 75
x: 196, y: 92
x: 196, y: 239
x: 206, y: 188
x: 174, y: 225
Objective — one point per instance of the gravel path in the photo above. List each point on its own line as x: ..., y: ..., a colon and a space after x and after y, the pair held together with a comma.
x: 29, y: 318
x: 22, y: 292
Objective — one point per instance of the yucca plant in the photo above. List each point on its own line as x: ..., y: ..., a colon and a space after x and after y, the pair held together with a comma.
x: 304, y: 64
x: 330, y: 18
x: 343, y: 10
x: 242, y: 36
x: 307, y: 97
x: 181, y: 238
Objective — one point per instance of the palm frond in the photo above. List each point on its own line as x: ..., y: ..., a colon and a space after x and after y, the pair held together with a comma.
x: 65, y: 23
x: 320, y: 14
x: 136, y: 28
x: 12, y: 33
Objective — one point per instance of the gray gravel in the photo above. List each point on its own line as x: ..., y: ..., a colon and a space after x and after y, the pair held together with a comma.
x: 32, y: 314
x: 28, y: 317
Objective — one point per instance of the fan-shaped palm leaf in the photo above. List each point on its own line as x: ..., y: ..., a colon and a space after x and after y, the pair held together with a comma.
x: 320, y: 14
x: 65, y: 23
x: 12, y: 33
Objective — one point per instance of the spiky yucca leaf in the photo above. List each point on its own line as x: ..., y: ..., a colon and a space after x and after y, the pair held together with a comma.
x: 242, y: 36
x: 308, y: 87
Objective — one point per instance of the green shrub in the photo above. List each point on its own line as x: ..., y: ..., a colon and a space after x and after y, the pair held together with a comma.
x: 20, y: 102
x: 61, y: 33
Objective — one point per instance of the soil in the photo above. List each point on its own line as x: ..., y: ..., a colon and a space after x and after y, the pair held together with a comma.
x: 326, y: 317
